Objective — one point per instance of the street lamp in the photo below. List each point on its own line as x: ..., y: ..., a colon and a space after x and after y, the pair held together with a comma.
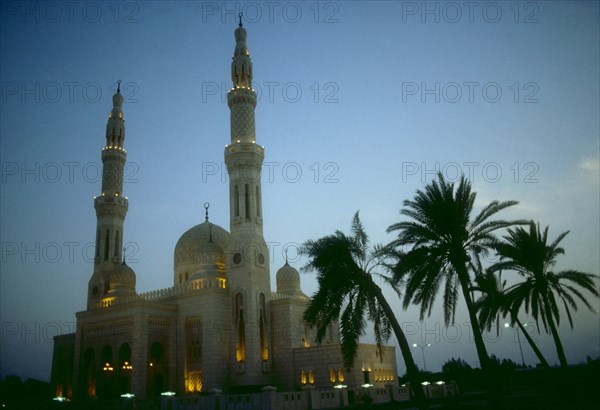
x: 506, y: 325
x: 423, y: 346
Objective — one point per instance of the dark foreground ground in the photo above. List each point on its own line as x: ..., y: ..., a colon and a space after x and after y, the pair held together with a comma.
x: 511, y: 401
x: 576, y: 388
x: 473, y: 401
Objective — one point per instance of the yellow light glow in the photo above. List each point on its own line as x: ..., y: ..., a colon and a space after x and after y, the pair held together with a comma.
x: 341, y: 377
x: 194, y: 382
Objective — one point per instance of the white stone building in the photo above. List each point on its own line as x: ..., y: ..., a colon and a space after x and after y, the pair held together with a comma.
x: 220, y: 325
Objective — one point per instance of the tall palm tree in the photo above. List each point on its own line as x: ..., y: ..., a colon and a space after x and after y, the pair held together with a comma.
x: 529, y: 254
x: 345, y: 267
x: 446, y: 244
x: 493, y: 303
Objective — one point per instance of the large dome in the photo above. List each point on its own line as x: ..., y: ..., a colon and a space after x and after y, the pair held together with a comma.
x: 200, y: 250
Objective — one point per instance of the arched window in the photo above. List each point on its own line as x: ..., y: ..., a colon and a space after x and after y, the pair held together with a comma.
x: 264, y: 349
x: 117, y: 243
x: 194, y: 382
x: 236, y: 194
x: 247, y: 200
x: 257, y: 202
x: 240, y: 348
x: 106, y: 241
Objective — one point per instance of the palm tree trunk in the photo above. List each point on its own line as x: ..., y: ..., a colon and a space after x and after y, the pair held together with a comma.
x: 536, y: 350
x: 559, y: 347
x: 463, y: 278
x: 411, y: 368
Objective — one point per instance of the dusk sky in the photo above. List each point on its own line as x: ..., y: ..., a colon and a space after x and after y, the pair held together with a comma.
x: 360, y: 103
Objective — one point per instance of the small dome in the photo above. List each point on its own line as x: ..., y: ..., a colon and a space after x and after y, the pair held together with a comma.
x: 200, y: 251
x: 122, y: 279
x: 288, y: 280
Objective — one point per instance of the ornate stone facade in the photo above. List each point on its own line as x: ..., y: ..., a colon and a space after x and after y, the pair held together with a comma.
x: 220, y: 326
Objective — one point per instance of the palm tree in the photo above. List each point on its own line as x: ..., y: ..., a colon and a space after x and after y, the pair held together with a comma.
x: 345, y: 267
x: 493, y: 302
x: 531, y: 256
x: 446, y: 244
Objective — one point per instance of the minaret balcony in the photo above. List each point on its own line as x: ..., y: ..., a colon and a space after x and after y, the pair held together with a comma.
x: 244, y: 147
x: 111, y: 199
x: 241, y: 95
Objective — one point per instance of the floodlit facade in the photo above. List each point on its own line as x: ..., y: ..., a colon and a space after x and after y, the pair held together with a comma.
x: 220, y: 326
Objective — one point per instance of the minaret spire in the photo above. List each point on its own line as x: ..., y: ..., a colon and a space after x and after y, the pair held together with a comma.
x: 111, y: 207
x: 241, y: 98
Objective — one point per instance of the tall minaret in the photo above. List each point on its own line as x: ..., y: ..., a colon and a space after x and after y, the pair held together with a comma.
x: 111, y: 206
x: 248, y: 255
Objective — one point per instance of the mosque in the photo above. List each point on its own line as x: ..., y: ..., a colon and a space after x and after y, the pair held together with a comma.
x: 220, y: 326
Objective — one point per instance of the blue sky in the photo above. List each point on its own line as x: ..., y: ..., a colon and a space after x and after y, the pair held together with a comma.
x: 359, y: 104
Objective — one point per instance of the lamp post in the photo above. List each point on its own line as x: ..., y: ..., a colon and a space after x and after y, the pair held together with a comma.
x: 506, y: 325
x: 422, y: 346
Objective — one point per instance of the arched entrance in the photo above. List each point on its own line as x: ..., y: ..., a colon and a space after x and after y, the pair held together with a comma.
x: 157, y: 369
x: 89, y: 374
x: 107, y: 390
x: 125, y: 368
